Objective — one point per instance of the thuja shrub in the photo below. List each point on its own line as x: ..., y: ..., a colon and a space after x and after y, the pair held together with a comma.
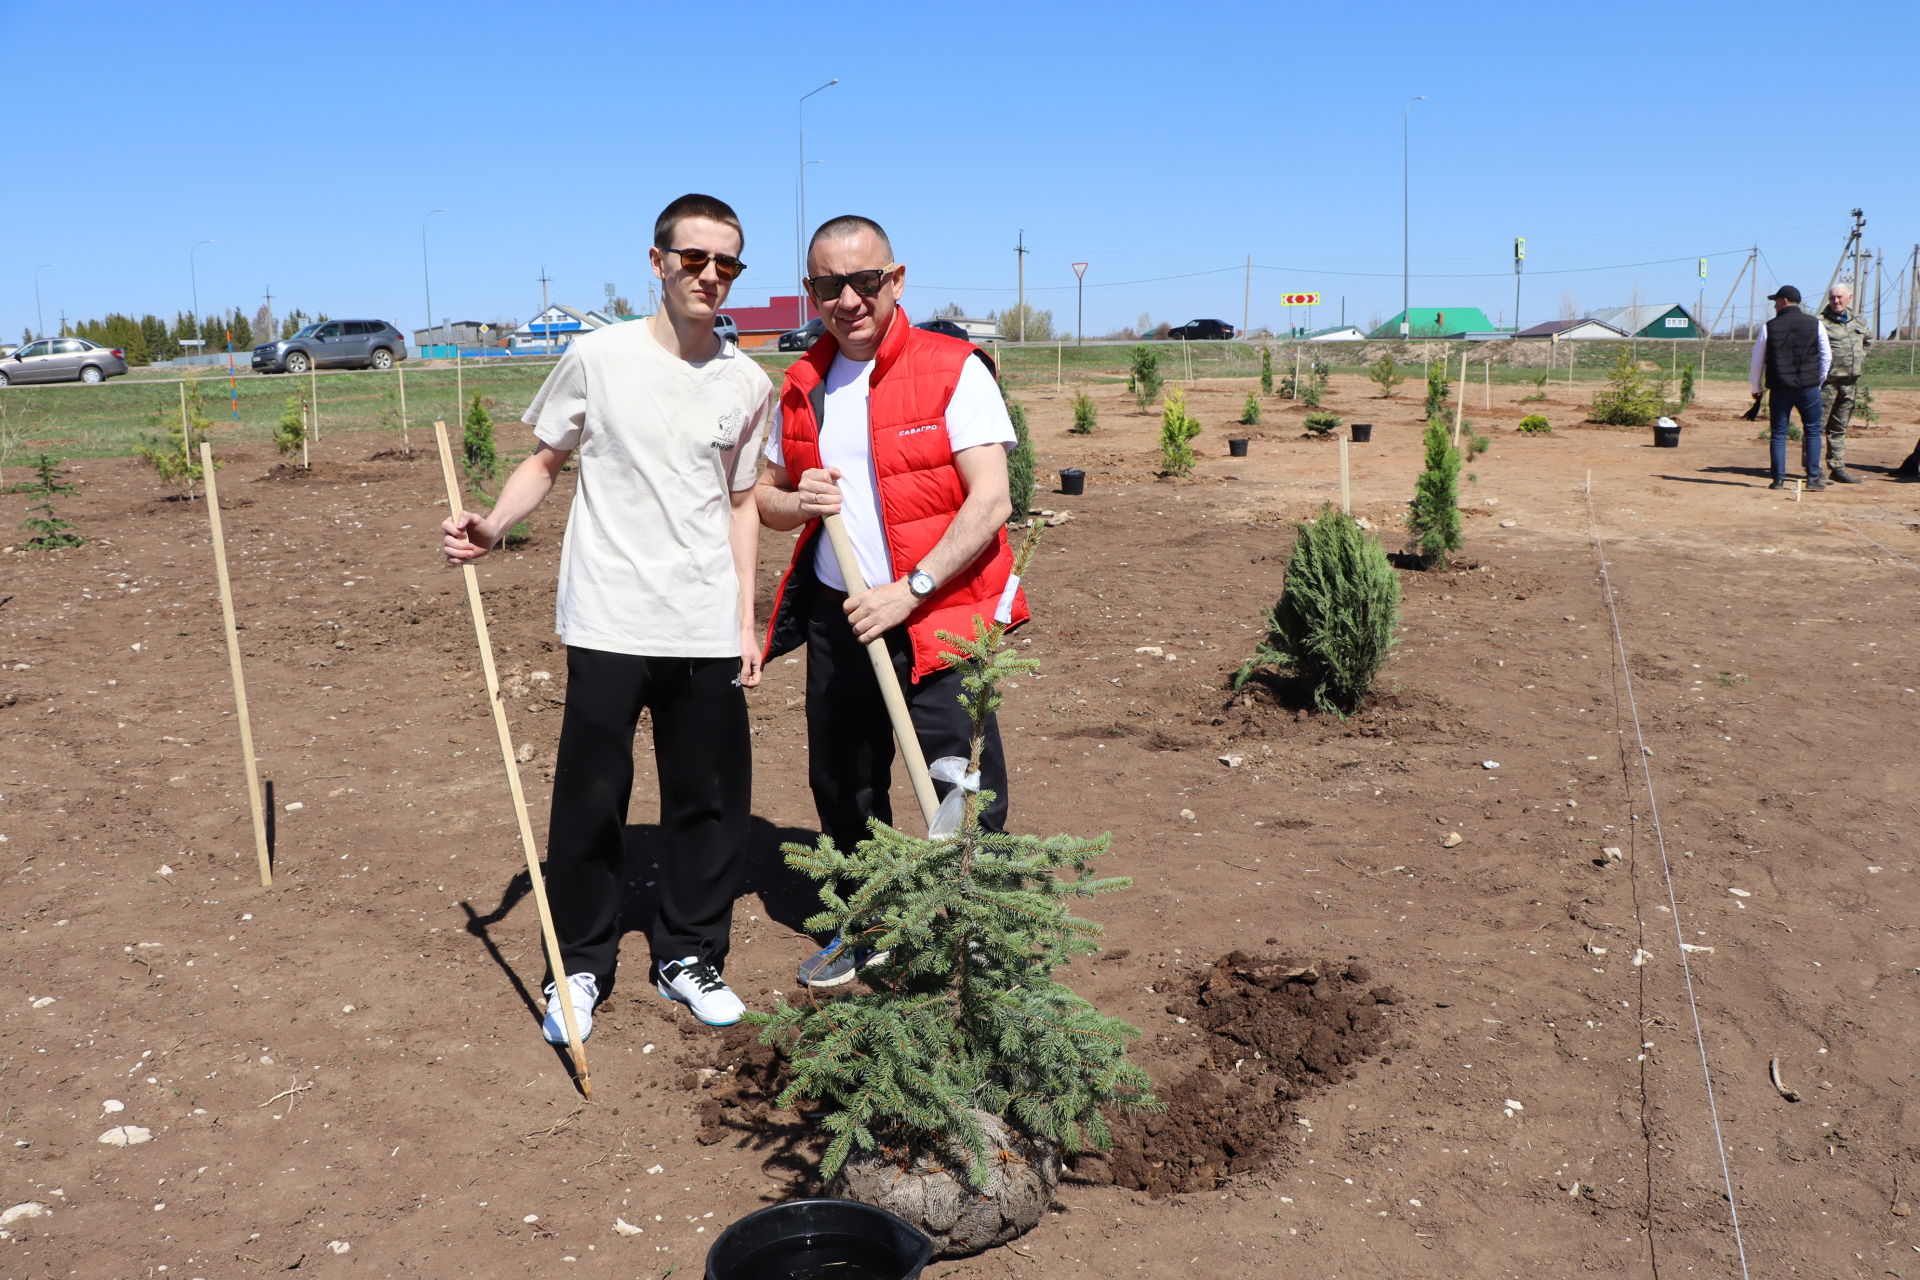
x: 482, y: 459
x: 1686, y: 385
x: 1250, y: 415
x: 1338, y: 616
x: 1630, y: 398
x: 1177, y: 430
x: 1084, y: 415
x: 1535, y: 424
x: 1020, y: 466
x: 290, y: 432
x: 1144, y: 376
x: 1266, y: 371
x: 1435, y: 515
x: 1438, y: 386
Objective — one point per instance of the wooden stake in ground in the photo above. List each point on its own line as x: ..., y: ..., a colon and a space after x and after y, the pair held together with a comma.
x: 233, y: 665
x: 1346, y: 487
x: 1459, y: 401
x: 306, y: 436
x: 1487, y: 382
x: 406, y: 437
x: 889, y: 680
x: 186, y: 434
x: 575, y: 1048
x: 313, y: 397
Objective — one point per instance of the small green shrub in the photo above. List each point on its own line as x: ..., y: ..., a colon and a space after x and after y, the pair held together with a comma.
x: 47, y: 479
x: 1321, y: 421
x: 1250, y: 415
x: 1863, y: 404
x: 1386, y: 374
x: 175, y: 458
x: 1630, y: 398
x: 1472, y: 443
x: 1084, y: 415
x: 1438, y: 386
x: 1177, y: 430
x: 1686, y: 385
x: 1311, y: 389
x: 476, y: 444
x: 291, y: 431
x: 1435, y: 514
x: 1535, y: 424
x: 1145, y: 376
x: 49, y: 531
x: 1020, y: 466
x: 1338, y: 615
x: 1266, y: 371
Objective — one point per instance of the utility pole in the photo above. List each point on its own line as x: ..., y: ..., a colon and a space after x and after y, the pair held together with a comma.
x: 546, y: 320
x: 1020, y: 257
x: 1519, y: 262
x: 1879, y: 274
x: 272, y: 325
x: 1850, y: 249
x: 1753, y: 293
x: 1246, y: 298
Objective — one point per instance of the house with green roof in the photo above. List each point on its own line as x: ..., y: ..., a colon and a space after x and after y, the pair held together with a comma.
x: 1436, y: 322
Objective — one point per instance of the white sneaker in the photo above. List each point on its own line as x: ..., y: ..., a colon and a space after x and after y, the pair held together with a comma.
x: 586, y: 993
x: 697, y: 985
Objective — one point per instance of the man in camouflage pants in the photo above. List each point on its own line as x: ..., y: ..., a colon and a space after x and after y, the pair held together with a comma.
x: 1848, y: 337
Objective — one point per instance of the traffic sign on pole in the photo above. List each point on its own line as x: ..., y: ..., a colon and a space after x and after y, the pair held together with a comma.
x: 1300, y: 299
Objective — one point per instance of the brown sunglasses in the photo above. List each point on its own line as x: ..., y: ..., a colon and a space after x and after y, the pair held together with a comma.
x: 696, y: 260
x: 865, y: 283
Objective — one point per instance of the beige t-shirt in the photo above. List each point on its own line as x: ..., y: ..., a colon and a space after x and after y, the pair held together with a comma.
x: 662, y: 444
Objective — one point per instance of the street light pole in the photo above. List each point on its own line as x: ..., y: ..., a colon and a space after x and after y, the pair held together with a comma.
x: 1406, y: 205
x: 426, y: 277
x: 194, y: 271
x: 800, y: 210
x: 39, y: 318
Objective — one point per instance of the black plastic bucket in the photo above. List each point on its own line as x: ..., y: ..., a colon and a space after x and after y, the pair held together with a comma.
x: 1237, y: 448
x: 842, y: 1238
x: 1073, y: 481
x: 1666, y: 437
x: 1360, y: 432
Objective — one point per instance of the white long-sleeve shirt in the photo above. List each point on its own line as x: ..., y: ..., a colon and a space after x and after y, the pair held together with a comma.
x: 1757, y: 370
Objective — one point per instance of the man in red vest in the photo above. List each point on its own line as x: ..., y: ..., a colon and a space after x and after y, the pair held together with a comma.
x: 904, y: 434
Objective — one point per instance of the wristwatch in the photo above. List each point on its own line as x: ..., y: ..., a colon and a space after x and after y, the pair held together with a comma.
x: 921, y: 583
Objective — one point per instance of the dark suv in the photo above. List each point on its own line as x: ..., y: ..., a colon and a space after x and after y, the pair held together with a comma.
x: 1197, y: 329
x: 333, y: 344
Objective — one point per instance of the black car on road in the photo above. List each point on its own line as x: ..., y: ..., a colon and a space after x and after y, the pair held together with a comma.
x: 803, y: 338
x: 1194, y: 330
x: 333, y: 344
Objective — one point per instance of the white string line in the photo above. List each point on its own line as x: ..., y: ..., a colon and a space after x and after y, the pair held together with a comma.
x: 1666, y: 867
x: 1889, y: 550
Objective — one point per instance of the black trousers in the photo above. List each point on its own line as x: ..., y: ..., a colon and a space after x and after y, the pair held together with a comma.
x: 850, y: 739
x: 702, y: 753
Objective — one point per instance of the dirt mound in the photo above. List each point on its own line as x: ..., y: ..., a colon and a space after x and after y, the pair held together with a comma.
x: 1274, y: 1031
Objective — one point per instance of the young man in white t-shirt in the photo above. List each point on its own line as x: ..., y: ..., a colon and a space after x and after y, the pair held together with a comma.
x: 905, y: 435
x: 655, y: 604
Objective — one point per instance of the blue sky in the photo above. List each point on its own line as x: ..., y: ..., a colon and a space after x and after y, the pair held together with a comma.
x: 308, y: 141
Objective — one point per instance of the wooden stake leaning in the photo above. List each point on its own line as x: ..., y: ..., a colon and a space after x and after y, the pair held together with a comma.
x: 233, y: 665
x: 313, y: 394
x: 889, y: 680
x: 561, y: 991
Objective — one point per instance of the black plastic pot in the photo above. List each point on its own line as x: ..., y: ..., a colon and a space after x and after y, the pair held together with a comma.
x: 841, y: 1238
x: 1360, y: 432
x: 1666, y: 437
x: 1237, y: 448
x: 1073, y: 481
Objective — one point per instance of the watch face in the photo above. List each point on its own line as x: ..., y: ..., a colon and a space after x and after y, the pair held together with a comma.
x: 920, y: 582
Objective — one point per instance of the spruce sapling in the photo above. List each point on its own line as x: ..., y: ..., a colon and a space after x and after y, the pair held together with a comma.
x: 1386, y: 374
x: 1250, y: 415
x: 965, y: 1014
x: 1084, y: 414
x: 1144, y: 376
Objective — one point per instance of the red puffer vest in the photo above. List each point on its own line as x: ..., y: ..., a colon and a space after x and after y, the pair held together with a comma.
x: 914, y: 374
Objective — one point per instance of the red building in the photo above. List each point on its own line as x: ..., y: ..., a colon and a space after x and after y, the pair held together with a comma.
x: 760, y: 326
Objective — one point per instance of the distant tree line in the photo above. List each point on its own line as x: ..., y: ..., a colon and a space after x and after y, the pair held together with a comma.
x: 150, y: 339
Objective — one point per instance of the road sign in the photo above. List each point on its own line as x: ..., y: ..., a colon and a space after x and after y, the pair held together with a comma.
x: 1299, y: 299
x: 1080, y: 270
x: 1519, y: 248
x: 1703, y: 270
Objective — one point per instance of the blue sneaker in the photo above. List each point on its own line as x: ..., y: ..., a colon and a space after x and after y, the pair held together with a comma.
x: 835, y: 964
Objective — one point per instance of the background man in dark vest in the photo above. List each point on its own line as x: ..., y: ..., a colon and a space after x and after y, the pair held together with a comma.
x: 1848, y: 337
x: 1790, y: 358
x: 904, y: 433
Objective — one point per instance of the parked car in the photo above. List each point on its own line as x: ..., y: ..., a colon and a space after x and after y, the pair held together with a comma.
x: 804, y: 337
x: 335, y: 344
x: 1194, y: 330
x: 62, y: 360
x: 727, y: 329
x: 948, y: 327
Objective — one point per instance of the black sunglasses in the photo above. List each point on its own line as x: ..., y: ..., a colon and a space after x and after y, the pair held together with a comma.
x: 696, y: 260
x: 865, y: 283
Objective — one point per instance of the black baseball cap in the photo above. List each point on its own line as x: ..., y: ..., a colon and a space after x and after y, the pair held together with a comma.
x: 1787, y: 293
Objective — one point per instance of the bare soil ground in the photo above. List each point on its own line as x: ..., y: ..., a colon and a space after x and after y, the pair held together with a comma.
x: 342, y: 1073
